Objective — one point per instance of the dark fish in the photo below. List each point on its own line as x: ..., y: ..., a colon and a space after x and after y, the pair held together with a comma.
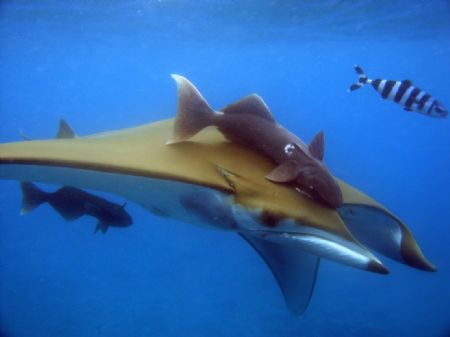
x: 403, y: 93
x: 72, y: 203
x: 249, y: 122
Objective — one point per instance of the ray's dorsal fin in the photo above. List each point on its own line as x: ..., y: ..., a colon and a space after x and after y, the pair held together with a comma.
x: 316, y: 147
x: 294, y: 270
x: 253, y: 105
x: 65, y: 131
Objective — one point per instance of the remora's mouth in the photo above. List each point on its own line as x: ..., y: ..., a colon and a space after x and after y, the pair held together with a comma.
x: 334, y: 249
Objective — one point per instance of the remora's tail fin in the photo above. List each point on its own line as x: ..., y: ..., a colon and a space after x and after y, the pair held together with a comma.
x: 64, y: 130
x: 32, y: 197
x: 294, y: 270
x: 194, y: 113
x: 362, y: 79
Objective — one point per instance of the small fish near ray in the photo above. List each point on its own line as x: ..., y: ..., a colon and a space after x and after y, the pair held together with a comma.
x: 249, y: 122
x: 404, y: 93
x: 72, y: 203
x: 211, y: 182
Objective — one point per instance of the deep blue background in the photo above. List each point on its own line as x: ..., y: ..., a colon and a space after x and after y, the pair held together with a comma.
x: 107, y: 67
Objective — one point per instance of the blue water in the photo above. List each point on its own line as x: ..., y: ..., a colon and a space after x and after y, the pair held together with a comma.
x: 103, y: 67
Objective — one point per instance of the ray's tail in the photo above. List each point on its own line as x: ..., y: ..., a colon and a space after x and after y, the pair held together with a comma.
x: 362, y: 79
x: 32, y: 197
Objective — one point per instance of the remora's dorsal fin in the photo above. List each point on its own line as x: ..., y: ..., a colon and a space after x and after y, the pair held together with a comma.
x: 316, y: 147
x: 252, y: 104
x: 284, y: 173
x: 194, y: 113
x: 294, y: 270
x: 64, y: 130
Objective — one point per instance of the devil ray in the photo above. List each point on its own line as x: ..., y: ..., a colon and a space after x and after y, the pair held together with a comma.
x: 214, y: 183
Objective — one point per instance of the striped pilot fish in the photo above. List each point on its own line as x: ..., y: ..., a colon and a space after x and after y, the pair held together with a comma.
x: 403, y: 93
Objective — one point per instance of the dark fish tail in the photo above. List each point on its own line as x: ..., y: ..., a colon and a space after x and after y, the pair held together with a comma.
x: 32, y: 197
x: 194, y: 113
x: 362, y: 79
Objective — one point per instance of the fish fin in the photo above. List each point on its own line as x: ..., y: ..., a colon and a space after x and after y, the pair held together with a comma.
x: 284, y: 173
x: 408, y: 82
x: 101, y: 226
x: 294, y: 270
x: 253, y: 105
x: 24, y: 136
x: 316, y: 147
x: 407, y: 109
x: 194, y: 113
x: 64, y: 130
x: 379, y: 230
x: 362, y: 79
x: 32, y: 197
x: 68, y: 215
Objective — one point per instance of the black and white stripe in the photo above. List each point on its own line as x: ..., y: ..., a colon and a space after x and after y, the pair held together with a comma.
x: 403, y: 93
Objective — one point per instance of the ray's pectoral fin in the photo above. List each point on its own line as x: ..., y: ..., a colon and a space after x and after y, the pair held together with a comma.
x: 284, y: 173
x: 294, y: 270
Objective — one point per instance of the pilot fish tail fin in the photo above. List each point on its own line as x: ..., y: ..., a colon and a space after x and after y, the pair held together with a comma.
x: 362, y: 79
x: 194, y: 113
x: 32, y: 197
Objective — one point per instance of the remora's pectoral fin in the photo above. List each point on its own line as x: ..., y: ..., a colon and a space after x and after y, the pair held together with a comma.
x: 294, y: 270
x: 64, y: 130
x: 384, y: 233
x: 253, y: 105
x: 101, y: 226
x: 316, y: 147
x: 284, y: 173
